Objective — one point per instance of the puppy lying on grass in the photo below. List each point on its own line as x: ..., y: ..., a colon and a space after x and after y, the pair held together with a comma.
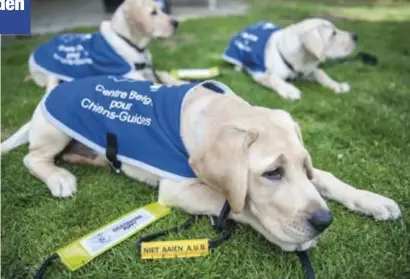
x: 203, y: 145
x: 272, y: 55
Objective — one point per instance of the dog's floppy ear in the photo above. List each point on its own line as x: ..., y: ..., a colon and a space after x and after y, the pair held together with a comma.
x: 308, y: 162
x: 298, y: 131
x: 314, y: 43
x: 222, y: 162
x: 134, y: 13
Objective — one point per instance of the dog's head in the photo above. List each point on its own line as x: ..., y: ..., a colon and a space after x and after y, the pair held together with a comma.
x: 258, y: 162
x: 322, y: 39
x: 148, y: 19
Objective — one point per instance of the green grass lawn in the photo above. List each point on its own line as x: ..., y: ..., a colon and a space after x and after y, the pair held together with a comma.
x: 362, y: 137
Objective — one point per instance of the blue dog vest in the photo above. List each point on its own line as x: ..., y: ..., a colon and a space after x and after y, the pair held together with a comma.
x: 247, y: 49
x: 72, y: 56
x: 145, y: 118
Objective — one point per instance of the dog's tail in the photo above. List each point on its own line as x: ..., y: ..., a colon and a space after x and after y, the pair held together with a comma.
x: 18, y: 138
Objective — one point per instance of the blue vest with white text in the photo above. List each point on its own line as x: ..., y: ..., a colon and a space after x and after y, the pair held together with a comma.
x: 145, y: 118
x: 72, y: 56
x: 247, y: 49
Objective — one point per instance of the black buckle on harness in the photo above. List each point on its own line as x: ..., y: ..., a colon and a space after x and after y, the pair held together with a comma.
x: 221, y: 222
x: 141, y: 66
x: 111, y: 152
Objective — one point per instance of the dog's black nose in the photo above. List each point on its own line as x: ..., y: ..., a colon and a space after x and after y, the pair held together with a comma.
x: 355, y: 37
x: 174, y: 23
x: 321, y: 219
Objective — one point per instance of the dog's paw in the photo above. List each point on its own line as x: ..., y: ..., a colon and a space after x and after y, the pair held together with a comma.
x: 342, y: 87
x: 290, y: 93
x: 381, y: 208
x: 27, y: 78
x: 62, y: 184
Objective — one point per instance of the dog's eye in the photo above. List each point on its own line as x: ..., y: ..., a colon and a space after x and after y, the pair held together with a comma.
x: 334, y: 33
x: 276, y: 174
x: 154, y: 12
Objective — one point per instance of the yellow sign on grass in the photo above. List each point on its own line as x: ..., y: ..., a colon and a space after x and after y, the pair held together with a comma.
x: 174, y: 249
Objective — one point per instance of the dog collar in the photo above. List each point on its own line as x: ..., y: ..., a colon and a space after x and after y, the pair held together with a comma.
x: 290, y: 67
x: 137, y: 66
x: 141, y: 66
x: 134, y: 46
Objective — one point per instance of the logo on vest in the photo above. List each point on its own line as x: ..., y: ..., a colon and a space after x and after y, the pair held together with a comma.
x: 15, y: 17
x: 75, y: 54
x: 120, y: 106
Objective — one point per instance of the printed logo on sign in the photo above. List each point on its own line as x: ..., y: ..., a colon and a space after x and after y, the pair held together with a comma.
x: 15, y: 17
x: 101, y: 239
x: 114, y: 233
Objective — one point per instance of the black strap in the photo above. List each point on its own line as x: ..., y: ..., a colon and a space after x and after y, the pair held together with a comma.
x: 223, y: 236
x: 221, y: 222
x: 47, y: 262
x: 141, y: 66
x: 213, y: 243
x: 111, y: 152
x: 131, y: 44
x: 366, y: 58
x: 137, y: 66
x: 186, y: 225
x: 225, y: 226
x: 307, y: 266
x: 290, y: 66
x: 157, y: 78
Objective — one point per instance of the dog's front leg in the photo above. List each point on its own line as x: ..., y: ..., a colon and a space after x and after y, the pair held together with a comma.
x: 46, y: 142
x: 283, y: 88
x: 338, y: 87
x: 381, y: 208
x: 190, y: 196
x: 52, y: 82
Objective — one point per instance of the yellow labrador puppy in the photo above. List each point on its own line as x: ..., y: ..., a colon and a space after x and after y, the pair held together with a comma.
x: 273, y: 55
x: 119, y: 48
x: 202, y: 145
